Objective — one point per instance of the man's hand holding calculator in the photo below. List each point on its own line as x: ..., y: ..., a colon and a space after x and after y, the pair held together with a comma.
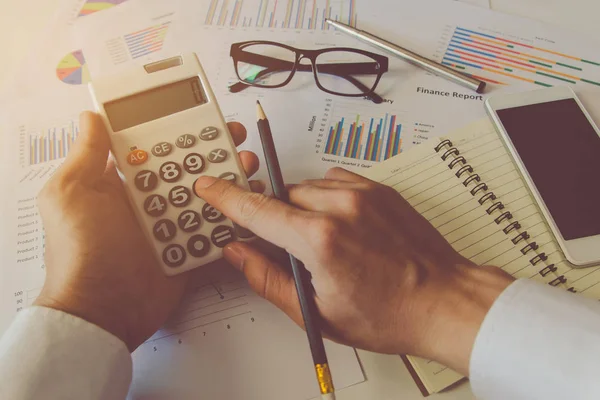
x: 385, y: 279
x: 100, y: 266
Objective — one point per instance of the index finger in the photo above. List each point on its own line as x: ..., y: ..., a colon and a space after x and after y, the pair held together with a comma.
x: 269, y: 218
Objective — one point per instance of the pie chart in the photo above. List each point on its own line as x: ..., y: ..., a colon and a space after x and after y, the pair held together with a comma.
x: 72, y: 69
x: 92, y: 6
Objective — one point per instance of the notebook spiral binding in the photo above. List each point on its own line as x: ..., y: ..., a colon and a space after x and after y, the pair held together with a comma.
x: 488, y: 199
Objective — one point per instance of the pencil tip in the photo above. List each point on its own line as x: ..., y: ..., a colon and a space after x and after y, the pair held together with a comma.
x: 259, y: 111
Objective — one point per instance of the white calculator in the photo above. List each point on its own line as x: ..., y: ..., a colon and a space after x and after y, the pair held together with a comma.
x: 166, y: 131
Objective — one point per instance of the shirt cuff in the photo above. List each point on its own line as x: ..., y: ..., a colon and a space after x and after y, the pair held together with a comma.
x: 538, y: 342
x: 50, y: 354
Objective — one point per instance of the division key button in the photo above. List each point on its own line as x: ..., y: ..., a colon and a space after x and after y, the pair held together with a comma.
x: 209, y: 133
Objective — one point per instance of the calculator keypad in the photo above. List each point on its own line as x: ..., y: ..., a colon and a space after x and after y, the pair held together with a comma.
x: 196, y: 229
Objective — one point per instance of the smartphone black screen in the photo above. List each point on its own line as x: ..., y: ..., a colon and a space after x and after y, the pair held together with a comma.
x: 561, y: 152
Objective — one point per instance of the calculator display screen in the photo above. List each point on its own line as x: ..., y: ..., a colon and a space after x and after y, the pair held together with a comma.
x: 155, y: 103
x: 561, y: 151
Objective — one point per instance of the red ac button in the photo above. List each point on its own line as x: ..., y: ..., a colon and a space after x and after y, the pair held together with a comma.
x: 137, y: 157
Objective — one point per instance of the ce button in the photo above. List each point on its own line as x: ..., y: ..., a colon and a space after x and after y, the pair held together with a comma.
x: 162, y: 149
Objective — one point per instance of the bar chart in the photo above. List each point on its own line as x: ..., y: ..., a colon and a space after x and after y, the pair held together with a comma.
x: 502, y: 61
x: 282, y: 14
x: 369, y: 139
x: 147, y: 41
x: 52, y: 143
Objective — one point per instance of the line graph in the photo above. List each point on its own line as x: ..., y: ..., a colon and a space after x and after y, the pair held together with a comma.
x: 499, y: 60
x: 215, y: 299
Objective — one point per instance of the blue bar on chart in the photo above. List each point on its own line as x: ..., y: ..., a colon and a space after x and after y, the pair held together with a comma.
x: 382, y: 139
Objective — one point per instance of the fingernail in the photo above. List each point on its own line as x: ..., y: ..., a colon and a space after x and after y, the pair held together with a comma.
x: 204, y: 182
x: 234, y: 256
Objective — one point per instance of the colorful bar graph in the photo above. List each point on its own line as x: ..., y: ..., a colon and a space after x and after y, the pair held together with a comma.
x: 53, y: 144
x: 470, y: 50
x: 382, y: 139
x: 292, y: 14
x: 147, y: 41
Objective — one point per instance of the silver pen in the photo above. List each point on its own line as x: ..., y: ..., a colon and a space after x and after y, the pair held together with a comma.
x: 413, y: 58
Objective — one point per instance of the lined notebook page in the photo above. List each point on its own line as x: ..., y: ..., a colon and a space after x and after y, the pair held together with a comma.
x: 484, y: 151
x: 434, y: 190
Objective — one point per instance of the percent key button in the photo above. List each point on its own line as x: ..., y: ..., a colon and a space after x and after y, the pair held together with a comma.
x: 185, y: 141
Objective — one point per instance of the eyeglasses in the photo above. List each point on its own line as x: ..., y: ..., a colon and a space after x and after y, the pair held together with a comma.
x: 340, y: 71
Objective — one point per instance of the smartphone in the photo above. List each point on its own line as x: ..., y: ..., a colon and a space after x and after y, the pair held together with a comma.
x: 556, y: 146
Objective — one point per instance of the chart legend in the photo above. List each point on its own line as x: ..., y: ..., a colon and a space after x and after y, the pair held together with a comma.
x: 498, y: 60
x: 72, y: 69
x: 52, y: 143
x: 282, y: 14
x: 94, y: 6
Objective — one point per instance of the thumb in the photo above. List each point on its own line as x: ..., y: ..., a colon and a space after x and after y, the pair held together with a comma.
x: 268, y: 279
x: 87, y: 159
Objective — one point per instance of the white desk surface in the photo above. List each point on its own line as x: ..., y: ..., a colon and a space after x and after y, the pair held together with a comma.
x: 387, y: 378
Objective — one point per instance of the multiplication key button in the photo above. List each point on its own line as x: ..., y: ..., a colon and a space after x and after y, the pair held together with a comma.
x: 217, y: 156
x: 222, y: 235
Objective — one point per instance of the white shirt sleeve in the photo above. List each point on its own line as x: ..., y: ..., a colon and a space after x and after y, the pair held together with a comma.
x: 538, y: 342
x: 48, y: 354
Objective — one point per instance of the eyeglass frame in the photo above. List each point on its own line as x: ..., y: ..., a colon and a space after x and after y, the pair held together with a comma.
x: 381, y: 62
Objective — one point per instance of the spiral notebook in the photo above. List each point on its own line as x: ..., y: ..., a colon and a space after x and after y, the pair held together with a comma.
x: 469, y: 189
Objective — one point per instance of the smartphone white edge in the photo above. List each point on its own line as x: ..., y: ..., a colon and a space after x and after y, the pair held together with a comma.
x: 582, y: 252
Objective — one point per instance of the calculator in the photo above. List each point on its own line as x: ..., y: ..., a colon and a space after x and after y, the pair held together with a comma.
x: 166, y: 130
